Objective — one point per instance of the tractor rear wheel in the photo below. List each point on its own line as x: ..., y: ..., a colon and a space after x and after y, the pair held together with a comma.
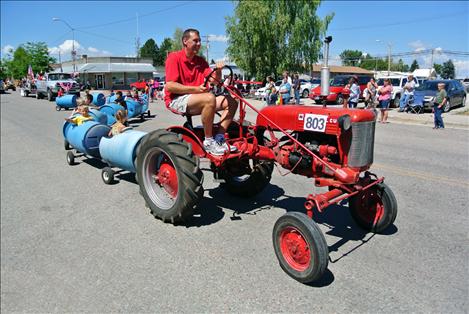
x: 246, y: 179
x: 300, y: 247
x: 374, y: 209
x: 169, y: 176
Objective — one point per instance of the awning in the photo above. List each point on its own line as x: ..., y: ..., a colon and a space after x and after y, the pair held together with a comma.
x: 111, y: 68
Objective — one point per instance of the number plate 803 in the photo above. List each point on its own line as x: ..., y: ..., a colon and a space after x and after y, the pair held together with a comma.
x: 315, y: 122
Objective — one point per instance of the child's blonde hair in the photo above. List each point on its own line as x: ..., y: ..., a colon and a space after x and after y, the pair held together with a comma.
x: 121, y: 115
x: 81, y: 101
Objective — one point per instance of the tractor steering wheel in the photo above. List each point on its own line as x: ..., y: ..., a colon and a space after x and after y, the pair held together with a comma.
x: 217, y: 89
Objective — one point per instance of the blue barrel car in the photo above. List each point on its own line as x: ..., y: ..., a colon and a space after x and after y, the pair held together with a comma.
x: 66, y: 102
x: 98, y: 99
x: 119, y: 151
x: 84, y: 138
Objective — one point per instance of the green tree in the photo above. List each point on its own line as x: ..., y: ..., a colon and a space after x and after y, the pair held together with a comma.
x: 414, y: 66
x: 268, y: 37
x: 39, y: 56
x: 438, y: 68
x: 150, y: 50
x: 447, y: 70
x: 18, y: 66
x: 165, y: 48
x: 351, y: 57
x: 177, y: 39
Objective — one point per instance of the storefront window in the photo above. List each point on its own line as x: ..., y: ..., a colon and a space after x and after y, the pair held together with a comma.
x: 131, y: 78
x: 117, y: 78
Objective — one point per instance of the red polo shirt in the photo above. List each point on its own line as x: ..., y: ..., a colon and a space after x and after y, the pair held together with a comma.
x: 181, y: 70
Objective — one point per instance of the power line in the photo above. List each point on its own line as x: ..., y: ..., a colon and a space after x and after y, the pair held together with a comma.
x: 133, y: 18
x: 105, y: 37
x: 439, y: 17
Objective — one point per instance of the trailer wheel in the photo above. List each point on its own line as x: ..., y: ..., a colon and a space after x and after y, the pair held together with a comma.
x: 70, y: 158
x: 300, y: 247
x: 169, y: 176
x: 38, y: 95
x: 142, y: 117
x: 148, y: 114
x: 107, y: 174
x: 67, y: 145
x: 58, y: 108
x: 374, y: 209
x: 246, y: 180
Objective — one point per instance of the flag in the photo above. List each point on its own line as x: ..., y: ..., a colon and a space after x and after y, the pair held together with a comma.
x: 30, y: 72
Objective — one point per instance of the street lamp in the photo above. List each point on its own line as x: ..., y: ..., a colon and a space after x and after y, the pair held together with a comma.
x: 389, y: 57
x: 55, y: 19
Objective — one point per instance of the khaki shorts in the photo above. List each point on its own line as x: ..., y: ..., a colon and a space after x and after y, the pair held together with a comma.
x: 179, y: 104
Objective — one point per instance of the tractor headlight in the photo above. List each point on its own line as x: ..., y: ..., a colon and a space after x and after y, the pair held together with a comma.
x: 345, y: 122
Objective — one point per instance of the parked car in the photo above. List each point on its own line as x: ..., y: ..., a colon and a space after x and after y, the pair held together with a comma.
x: 307, y: 86
x: 337, y: 86
x: 2, y: 87
x: 465, y: 82
x: 260, y: 92
x: 141, y: 85
x: 397, y: 82
x: 426, y: 92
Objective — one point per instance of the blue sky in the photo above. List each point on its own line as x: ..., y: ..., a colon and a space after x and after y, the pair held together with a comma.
x: 110, y: 27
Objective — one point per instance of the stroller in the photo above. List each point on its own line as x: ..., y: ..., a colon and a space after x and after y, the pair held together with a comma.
x: 413, y: 106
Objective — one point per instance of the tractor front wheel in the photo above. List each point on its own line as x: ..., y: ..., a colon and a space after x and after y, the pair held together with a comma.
x: 246, y: 180
x: 300, y: 247
x: 374, y: 209
x: 169, y: 176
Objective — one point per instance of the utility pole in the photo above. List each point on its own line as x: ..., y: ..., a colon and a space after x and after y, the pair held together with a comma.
x: 137, y: 40
x: 389, y: 59
x: 74, y: 53
x: 431, y: 64
x: 60, y: 61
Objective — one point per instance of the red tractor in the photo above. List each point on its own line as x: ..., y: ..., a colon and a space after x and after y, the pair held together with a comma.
x: 332, y: 146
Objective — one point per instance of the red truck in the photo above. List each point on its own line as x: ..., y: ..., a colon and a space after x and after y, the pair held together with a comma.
x: 336, y: 89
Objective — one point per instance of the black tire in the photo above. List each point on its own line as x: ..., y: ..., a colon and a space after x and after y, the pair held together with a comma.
x: 247, y: 184
x: 26, y: 94
x: 169, y: 176
x: 318, y: 101
x: 58, y: 108
x: 67, y: 145
x: 38, y: 95
x: 374, y: 209
x: 142, y: 118
x: 300, y: 247
x: 70, y: 158
x: 305, y: 93
x: 107, y: 174
x: 340, y: 99
x: 148, y: 114
x: 447, y: 106
x: 396, y: 101
x: 50, y: 96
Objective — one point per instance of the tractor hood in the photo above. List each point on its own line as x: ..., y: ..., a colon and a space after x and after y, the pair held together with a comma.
x: 301, y: 118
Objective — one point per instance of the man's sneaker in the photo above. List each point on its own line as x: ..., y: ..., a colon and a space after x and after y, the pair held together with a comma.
x: 220, y: 139
x: 212, y: 147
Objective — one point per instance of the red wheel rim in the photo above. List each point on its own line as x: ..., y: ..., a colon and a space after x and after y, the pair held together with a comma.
x: 166, y: 176
x: 295, y: 249
x: 370, y: 207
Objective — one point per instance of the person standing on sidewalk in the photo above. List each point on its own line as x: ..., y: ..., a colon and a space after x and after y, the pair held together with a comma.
x: 440, y: 101
x: 354, y: 93
x: 384, y: 99
x: 296, y: 88
x: 408, y: 92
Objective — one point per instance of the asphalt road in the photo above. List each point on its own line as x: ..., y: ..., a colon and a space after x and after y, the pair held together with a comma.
x: 70, y: 243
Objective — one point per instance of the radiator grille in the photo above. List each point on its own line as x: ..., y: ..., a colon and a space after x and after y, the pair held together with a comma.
x: 363, y: 142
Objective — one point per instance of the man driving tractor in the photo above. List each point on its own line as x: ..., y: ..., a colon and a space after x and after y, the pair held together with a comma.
x: 185, y: 92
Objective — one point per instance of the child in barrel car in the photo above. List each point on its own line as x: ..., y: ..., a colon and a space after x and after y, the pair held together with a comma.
x: 120, y: 124
x: 81, y: 116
